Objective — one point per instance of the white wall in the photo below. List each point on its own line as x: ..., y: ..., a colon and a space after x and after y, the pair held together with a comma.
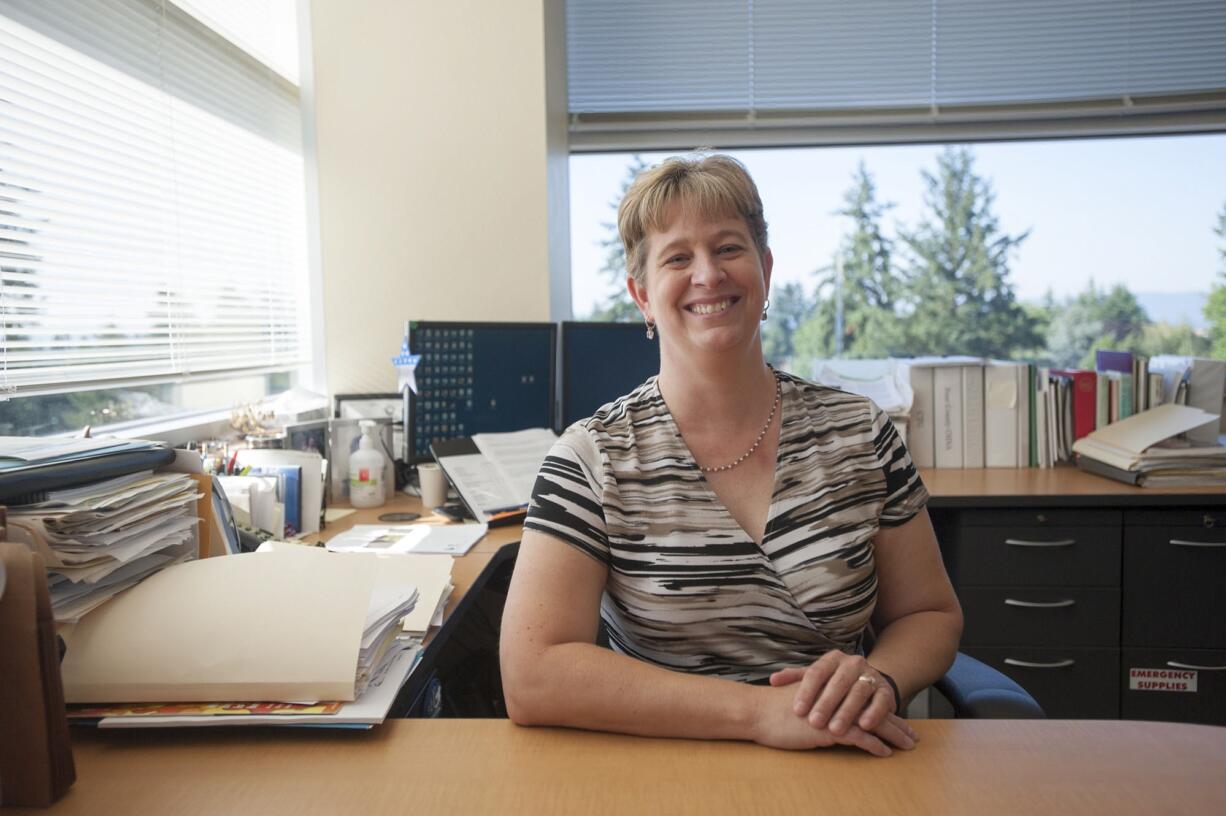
x: 440, y: 139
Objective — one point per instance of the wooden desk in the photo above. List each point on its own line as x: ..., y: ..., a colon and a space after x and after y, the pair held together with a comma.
x: 493, y: 541
x: 1067, y: 486
x: 1120, y: 577
x: 466, y: 568
x: 493, y: 766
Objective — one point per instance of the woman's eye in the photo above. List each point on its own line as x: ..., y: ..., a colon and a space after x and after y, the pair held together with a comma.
x: 676, y: 259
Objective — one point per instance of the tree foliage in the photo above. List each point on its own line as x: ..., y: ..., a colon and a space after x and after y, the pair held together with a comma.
x: 861, y: 282
x: 618, y: 306
x: 790, y: 306
x: 959, y: 296
x: 1215, y: 306
x: 1093, y: 319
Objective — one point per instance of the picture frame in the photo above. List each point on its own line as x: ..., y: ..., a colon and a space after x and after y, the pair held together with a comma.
x: 306, y: 436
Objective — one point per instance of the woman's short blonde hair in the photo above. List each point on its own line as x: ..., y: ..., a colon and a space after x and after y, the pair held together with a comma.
x: 714, y: 186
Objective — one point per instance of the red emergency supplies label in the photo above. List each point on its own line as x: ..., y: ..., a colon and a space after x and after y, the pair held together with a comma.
x: 1161, y: 680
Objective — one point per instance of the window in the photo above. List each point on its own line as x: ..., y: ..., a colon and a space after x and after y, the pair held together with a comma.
x: 1089, y: 243
x: 841, y: 109
x: 152, y: 213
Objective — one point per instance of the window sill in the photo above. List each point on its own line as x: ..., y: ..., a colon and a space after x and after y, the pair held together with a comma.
x: 175, y: 431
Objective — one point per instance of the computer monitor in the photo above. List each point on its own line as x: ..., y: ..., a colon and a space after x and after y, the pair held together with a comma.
x: 479, y: 378
x: 601, y: 362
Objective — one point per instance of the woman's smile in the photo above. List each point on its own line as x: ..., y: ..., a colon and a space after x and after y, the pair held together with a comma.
x: 711, y: 306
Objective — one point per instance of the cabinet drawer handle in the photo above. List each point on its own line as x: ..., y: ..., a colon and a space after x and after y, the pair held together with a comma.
x: 1040, y: 604
x: 1175, y: 664
x: 1018, y: 542
x: 1026, y: 664
x: 1183, y: 542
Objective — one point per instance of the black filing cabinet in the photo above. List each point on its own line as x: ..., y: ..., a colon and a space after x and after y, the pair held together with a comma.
x: 1174, y: 616
x: 1040, y: 592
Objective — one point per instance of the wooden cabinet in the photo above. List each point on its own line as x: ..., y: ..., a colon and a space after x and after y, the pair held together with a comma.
x: 1102, y: 600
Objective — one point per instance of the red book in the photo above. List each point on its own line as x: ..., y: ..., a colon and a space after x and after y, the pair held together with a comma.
x: 1085, y: 388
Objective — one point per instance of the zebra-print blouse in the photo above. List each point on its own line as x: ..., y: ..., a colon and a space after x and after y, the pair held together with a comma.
x: 687, y: 588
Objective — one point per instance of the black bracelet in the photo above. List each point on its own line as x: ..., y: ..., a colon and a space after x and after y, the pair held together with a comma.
x: 894, y: 688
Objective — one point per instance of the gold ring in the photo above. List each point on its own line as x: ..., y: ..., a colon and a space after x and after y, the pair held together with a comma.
x: 867, y: 678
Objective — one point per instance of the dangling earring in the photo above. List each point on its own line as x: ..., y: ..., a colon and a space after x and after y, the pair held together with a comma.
x: 765, y: 308
x: 651, y: 329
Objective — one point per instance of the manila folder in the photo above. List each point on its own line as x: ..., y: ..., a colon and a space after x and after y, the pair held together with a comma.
x: 253, y: 626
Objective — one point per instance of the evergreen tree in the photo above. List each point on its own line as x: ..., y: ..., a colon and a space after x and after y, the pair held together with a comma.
x: 790, y: 306
x: 619, y: 306
x: 959, y: 298
x: 862, y: 278
x: 1215, y: 306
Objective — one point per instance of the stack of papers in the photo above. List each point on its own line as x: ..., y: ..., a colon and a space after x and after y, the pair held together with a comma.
x: 382, y: 639
x: 1144, y: 449
x: 368, y: 710
x: 329, y: 635
x: 102, y: 538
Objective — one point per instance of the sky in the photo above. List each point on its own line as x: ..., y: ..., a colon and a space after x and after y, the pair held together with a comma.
x: 1139, y: 211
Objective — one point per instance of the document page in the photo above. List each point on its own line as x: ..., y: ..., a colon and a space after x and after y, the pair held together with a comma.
x: 517, y: 458
x: 480, y: 483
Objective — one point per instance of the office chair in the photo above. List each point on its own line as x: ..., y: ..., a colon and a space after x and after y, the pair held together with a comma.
x: 462, y: 678
x: 977, y: 690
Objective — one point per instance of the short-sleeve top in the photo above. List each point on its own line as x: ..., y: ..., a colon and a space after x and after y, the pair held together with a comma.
x: 687, y: 588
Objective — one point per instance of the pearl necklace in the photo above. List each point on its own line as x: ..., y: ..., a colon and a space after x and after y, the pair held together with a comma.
x: 756, y: 442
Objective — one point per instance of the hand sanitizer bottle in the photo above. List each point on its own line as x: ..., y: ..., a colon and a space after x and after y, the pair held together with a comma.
x: 366, y: 488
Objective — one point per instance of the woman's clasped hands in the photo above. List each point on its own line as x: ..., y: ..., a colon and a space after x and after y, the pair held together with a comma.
x: 837, y: 700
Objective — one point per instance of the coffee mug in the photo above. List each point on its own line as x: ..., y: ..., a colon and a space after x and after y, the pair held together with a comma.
x: 433, y: 485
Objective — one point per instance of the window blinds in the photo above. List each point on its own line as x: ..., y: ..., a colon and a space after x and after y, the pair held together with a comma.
x: 152, y: 214
x: 644, y: 74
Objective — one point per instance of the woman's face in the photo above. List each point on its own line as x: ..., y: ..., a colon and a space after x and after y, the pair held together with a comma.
x: 705, y: 284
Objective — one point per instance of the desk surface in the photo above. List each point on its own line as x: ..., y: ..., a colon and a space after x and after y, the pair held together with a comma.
x: 430, y: 766
x: 1067, y: 486
x: 949, y: 487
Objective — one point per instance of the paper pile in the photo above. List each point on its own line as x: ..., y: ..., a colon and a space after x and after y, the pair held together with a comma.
x: 382, y: 639
x: 286, y: 624
x: 1143, y: 449
x: 102, y: 538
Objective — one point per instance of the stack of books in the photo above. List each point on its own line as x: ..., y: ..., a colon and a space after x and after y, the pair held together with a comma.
x: 1147, y: 450
x: 970, y: 412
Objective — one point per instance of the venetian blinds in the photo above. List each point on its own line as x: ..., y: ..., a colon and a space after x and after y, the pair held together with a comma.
x: 644, y: 74
x: 152, y: 215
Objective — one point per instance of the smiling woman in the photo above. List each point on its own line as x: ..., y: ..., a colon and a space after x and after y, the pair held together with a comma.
x: 736, y: 530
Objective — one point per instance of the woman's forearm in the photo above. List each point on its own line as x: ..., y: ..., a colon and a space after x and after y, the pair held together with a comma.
x: 582, y: 685
x: 916, y: 650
